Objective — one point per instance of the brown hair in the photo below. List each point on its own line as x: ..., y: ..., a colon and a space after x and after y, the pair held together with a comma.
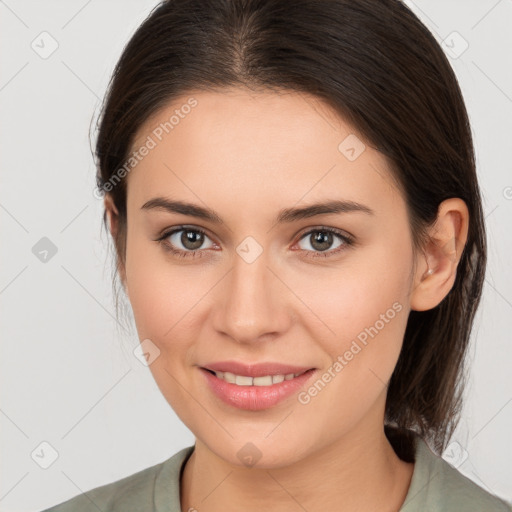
x: 382, y: 70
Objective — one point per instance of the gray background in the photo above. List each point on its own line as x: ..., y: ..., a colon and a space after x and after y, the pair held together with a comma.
x: 68, y: 374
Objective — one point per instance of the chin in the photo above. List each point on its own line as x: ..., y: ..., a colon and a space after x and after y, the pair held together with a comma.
x: 259, y: 453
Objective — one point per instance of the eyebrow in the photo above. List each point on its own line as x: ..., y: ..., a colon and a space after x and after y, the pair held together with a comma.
x: 286, y: 215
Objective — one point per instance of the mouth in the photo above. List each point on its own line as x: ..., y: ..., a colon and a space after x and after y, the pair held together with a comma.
x: 255, y: 393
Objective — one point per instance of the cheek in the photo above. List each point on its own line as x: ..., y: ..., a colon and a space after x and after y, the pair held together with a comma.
x: 162, y: 294
x: 162, y: 297
x: 369, y: 320
x: 354, y: 295
x: 365, y: 305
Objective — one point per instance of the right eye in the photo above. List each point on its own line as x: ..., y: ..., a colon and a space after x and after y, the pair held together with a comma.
x: 184, y: 241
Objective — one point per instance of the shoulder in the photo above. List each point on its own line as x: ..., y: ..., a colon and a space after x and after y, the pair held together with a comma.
x: 115, y: 495
x: 438, y: 486
x: 135, y: 492
x: 455, y: 490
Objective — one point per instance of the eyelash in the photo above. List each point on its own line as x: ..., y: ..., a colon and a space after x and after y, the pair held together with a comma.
x: 346, y: 239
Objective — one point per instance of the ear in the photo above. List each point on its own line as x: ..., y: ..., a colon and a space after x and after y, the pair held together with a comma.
x: 113, y: 225
x: 436, y: 265
x: 112, y: 214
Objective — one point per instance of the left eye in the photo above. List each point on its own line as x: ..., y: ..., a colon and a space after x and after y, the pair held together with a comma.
x: 321, y: 240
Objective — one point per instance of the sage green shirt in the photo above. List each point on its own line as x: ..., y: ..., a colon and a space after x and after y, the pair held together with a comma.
x: 435, y: 486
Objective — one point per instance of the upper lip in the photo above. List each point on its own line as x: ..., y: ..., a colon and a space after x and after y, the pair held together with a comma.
x: 256, y: 369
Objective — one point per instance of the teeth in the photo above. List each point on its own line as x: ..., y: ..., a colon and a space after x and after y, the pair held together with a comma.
x: 228, y: 377
x: 266, y: 380
x: 262, y: 381
x: 243, y: 381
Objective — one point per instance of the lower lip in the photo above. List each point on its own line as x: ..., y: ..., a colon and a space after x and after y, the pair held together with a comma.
x: 255, y: 398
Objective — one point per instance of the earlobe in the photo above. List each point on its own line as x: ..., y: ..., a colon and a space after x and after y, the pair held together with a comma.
x: 436, y: 265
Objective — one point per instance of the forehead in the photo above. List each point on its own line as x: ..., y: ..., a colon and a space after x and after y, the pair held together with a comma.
x: 260, y: 147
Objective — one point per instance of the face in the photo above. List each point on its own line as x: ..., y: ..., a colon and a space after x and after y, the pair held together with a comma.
x: 326, y: 290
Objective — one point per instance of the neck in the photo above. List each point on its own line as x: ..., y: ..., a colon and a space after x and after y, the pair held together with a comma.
x: 358, y: 472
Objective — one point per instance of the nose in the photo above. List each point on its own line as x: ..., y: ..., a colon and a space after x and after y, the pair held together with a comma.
x: 252, y: 302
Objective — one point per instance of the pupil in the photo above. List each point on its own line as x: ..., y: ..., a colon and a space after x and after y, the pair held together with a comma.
x: 322, y: 240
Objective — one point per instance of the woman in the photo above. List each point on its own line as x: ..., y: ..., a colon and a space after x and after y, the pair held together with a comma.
x: 291, y: 190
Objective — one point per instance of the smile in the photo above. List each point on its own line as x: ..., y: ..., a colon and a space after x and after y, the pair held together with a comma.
x: 255, y: 393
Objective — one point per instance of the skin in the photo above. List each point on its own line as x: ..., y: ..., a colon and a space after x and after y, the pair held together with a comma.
x: 247, y: 155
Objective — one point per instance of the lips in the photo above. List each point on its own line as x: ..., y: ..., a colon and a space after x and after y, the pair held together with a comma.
x: 251, y: 389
